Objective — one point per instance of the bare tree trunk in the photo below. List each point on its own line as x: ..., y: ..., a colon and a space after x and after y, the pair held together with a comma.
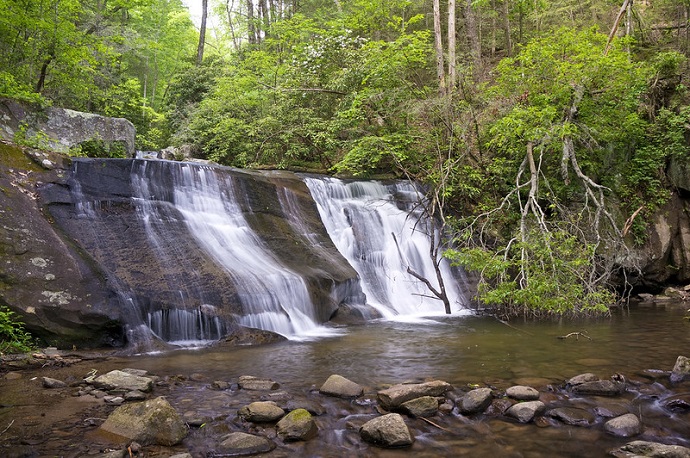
x: 493, y: 27
x: 266, y: 20
x: 438, y: 47
x: 451, y: 47
x: 506, y: 28
x: 202, y: 33
x: 616, y: 23
x: 229, y: 8
x: 473, y: 37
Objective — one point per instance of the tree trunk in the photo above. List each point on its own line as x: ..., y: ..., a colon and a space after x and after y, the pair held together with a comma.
x: 438, y: 47
x: 44, y: 72
x: 202, y: 33
x: 506, y: 28
x: 251, y: 26
x: 451, y: 46
x: 473, y: 37
x: 229, y: 9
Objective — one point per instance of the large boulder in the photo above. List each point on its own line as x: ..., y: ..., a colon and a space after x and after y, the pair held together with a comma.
x: 387, y: 431
x: 394, y: 396
x: 150, y: 422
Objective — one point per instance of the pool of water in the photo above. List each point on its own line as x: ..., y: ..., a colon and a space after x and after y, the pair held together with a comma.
x: 462, y: 350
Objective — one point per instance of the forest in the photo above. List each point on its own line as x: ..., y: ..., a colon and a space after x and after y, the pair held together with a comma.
x: 540, y: 130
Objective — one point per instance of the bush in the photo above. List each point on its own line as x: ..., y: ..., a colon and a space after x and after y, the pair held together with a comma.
x: 13, y: 337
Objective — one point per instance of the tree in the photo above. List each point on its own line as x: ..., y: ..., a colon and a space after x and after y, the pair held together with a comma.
x: 202, y: 33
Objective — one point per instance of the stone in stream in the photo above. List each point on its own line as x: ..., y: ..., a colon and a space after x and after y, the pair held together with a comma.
x: 572, y: 416
x: 524, y: 412
x: 150, y: 422
x: 53, y: 383
x: 638, y: 449
x: 426, y: 406
x: 624, y: 426
x: 120, y: 380
x: 475, y: 401
x: 297, y: 425
x: 339, y: 386
x: 522, y: 393
x: 599, y: 388
x: 582, y: 378
x: 238, y: 443
x: 681, y: 370
x: 261, y: 411
x: 394, y: 396
x: 248, y: 382
x: 387, y: 431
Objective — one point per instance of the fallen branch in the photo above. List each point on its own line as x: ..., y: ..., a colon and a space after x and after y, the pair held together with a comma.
x: 576, y: 334
x: 436, y: 425
x: 8, y: 427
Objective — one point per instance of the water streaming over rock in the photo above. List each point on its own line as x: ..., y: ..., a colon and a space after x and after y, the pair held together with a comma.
x: 381, y: 233
x: 195, y: 250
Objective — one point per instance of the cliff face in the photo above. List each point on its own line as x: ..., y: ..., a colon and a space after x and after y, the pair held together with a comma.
x: 44, y: 278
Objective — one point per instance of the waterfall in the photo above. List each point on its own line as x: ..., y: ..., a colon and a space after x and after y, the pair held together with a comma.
x: 272, y: 296
x: 376, y: 228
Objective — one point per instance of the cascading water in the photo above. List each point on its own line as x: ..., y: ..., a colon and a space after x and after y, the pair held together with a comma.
x: 381, y: 240
x: 273, y: 297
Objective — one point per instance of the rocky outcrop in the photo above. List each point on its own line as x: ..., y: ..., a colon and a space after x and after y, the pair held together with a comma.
x: 60, y: 296
x: 60, y: 129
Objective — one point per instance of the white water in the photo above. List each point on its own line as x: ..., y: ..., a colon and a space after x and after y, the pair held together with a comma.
x: 273, y: 297
x: 364, y: 222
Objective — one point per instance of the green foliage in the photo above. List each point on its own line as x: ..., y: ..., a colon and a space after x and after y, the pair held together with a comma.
x: 13, y: 337
x: 13, y: 89
x: 547, y: 274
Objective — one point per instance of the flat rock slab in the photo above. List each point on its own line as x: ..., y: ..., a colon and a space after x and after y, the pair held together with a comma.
x: 572, y: 416
x: 248, y: 382
x: 238, y: 443
x: 394, y: 396
x: 426, y: 406
x: 599, y: 388
x: 651, y: 449
x: 120, y: 380
x: 339, y: 386
x: 387, y: 431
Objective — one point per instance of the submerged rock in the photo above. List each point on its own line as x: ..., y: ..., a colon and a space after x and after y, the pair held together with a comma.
x: 248, y: 382
x: 624, y: 426
x: 524, y: 412
x: 53, y: 383
x: 572, y: 416
x: 339, y: 386
x: 387, y: 431
x: 150, y: 422
x: 239, y: 443
x: 297, y: 425
x: 426, y: 406
x: 261, y: 411
x: 394, y: 396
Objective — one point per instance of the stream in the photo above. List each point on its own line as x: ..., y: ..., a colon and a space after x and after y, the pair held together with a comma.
x: 462, y: 350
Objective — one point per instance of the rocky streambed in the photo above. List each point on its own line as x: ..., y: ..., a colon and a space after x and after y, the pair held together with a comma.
x: 68, y: 405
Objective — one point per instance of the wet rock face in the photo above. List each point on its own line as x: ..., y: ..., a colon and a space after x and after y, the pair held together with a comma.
x: 58, y: 295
